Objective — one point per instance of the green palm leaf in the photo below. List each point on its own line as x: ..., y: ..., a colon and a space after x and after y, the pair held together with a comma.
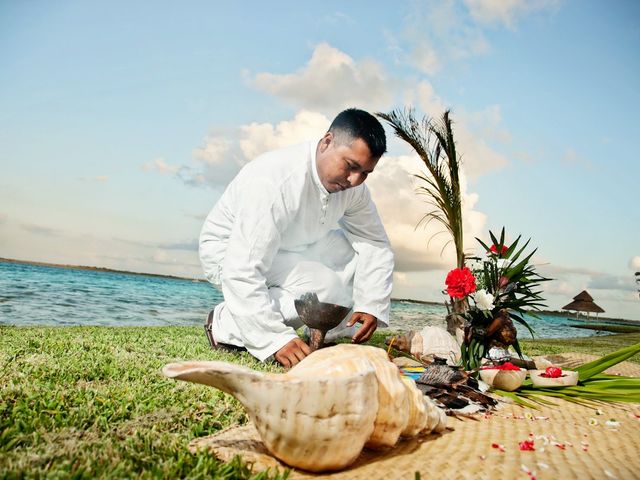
x: 593, y: 386
x: 434, y: 143
x: 590, y: 369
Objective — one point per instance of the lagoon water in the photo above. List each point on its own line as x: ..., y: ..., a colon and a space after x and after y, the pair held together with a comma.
x: 41, y: 295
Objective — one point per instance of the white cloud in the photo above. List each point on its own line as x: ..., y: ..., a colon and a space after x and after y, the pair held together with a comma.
x: 423, y: 57
x: 470, y: 130
x: 3, y: 217
x: 572, y: 157
x: 505, y: 12
x: 331, y: 81
x: 393, y: 187
x: 99, y: 179
x: 257, y: 138
x: 400, y: 279
x: 159, y: 165
x: 337, y: 18
x: 392, y: 184
x: 213, y: 152
x: 478, y: 157
x: 329, y: 77
x: 222, y: 154
x: 613, y: 282
x: 436, y: 34
x: 564, y: 288
x: 424, y: 97
x: 557, y: 270
x: 487, y: 123
x: 634, y: 262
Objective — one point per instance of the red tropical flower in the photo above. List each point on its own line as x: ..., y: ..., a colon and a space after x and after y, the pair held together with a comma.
x: 552, y: 372
x: 460, y: 282
x: 494, y: 249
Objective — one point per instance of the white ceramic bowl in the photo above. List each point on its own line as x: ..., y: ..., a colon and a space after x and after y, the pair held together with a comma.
x: 568, y: 379
x: 508, y: 380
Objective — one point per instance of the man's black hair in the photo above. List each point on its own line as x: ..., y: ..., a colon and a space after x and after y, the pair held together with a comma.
x: 354, y: 123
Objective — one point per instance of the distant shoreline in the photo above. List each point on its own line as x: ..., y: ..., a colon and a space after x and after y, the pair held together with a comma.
x: 97, y: 269
x: 590, y: 319
x: 421, y: 302
x: 558, y: 313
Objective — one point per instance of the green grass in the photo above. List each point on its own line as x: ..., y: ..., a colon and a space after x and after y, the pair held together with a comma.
x: 592, y: 345
x: 90, y: 402
x: 87, y: 402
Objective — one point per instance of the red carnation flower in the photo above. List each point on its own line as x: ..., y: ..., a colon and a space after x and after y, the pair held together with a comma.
x: 494, y: 249
x: 460, y: 282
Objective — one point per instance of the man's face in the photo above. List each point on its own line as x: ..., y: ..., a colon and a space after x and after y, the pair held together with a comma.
x: 342, y: 166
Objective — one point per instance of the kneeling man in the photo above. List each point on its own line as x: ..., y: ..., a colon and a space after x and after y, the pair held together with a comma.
x: 293, y: 221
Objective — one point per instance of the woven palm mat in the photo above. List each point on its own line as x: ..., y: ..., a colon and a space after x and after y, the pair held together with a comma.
x: 570, y: 441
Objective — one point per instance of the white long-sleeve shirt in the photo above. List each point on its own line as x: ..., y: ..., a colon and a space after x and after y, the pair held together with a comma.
x: 277, y: 203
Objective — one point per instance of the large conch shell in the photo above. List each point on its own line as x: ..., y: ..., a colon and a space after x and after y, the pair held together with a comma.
x: 428, y: 343
x: 320, y: 414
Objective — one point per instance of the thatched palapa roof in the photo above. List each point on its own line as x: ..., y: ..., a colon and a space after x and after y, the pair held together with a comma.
x: 583, y: 302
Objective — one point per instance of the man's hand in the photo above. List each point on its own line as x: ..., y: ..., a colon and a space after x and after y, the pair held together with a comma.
x: 369, y: 325
x: 292, y: 353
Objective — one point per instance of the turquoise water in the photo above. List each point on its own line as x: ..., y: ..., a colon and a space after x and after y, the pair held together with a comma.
x: 41, y: 295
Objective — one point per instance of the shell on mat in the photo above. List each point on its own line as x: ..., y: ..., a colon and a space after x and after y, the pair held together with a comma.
x: 428, y: 343
x: 438, y: 342
x: 320, y: 414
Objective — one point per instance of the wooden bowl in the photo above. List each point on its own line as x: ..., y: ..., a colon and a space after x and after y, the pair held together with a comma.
x: 507, y: 380
x: 568, y: 379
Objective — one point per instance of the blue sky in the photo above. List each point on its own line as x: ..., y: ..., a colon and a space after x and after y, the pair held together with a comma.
x: 121, y: 123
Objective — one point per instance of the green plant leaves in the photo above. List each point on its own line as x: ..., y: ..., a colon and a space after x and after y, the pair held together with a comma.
x: 593, y: 385
x: 590, y: 369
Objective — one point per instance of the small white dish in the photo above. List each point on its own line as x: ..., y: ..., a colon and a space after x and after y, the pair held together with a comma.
x: 568, y: 379
x: 507, y: 380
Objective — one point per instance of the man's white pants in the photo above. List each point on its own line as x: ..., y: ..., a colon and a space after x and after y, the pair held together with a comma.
x: 327, y: 268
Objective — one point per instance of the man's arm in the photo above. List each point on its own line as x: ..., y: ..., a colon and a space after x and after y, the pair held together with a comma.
x: 254, y: 241
x: 374, y: 271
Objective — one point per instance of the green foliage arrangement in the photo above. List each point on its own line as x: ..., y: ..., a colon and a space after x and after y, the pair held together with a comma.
x: 507, y: 287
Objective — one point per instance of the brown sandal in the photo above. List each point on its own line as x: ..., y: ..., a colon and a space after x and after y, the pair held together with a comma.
x: 212, y: 341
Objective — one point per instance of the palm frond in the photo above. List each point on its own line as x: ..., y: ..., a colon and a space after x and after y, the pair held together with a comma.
x: 433, y: 141
x: 594, y: 387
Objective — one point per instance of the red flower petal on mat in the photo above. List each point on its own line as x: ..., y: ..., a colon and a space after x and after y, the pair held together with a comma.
x: 498, y: 446
x: 526, y: 446
x: 528, y: 471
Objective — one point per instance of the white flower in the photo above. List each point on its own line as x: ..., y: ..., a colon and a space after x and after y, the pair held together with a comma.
x: 484, y: 300
x: 502, y: 262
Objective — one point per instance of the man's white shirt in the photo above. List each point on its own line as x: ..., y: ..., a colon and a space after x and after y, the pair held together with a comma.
x: 275, y: 204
